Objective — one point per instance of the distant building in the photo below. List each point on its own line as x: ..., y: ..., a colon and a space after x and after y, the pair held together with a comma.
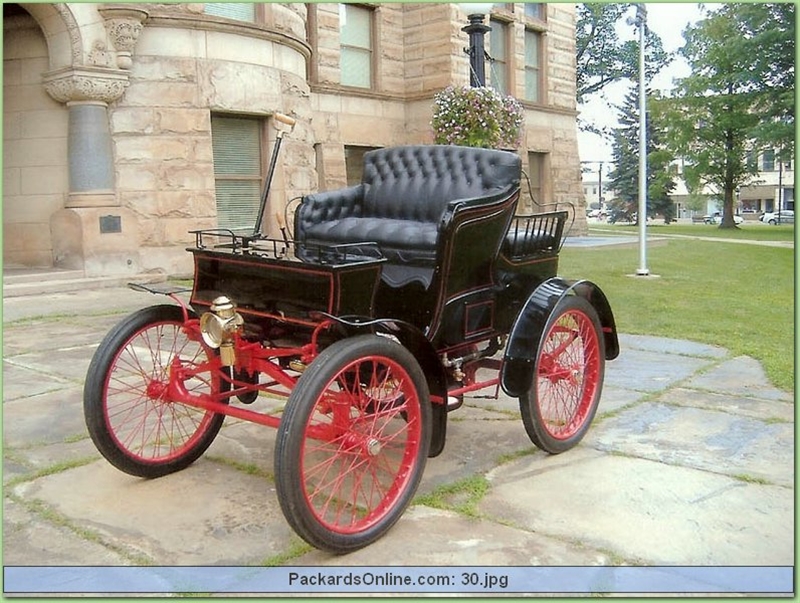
x: 128, y: 125
x: 771, y: 189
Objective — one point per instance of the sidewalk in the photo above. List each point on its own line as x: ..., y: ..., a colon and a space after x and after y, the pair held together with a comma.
x: 690, y: 461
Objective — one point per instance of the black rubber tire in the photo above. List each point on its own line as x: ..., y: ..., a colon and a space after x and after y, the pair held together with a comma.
x: 336, y: 418
x: 121, y: 418
x: 562, y: 400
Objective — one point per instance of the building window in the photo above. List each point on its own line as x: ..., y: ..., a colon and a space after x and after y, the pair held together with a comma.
x: 535, y: 10
x: 241, y: 11
x: 355, y: 37
x: 533, y: 65
x: 498, y: 50
x: 768, y: 160
x: 236, y: 143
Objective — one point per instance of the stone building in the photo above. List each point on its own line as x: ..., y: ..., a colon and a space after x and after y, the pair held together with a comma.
x: 128, y: 125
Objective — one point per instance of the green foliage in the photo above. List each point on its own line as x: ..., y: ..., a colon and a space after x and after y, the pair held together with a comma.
x: 625, y: 176
x: 736, y: 99
x: 767, y: 31
x: 477, y: 117
x: 602, y: 58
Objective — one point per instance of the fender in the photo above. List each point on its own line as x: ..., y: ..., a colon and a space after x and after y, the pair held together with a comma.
x: 415, y: 342
x: 526, y: 333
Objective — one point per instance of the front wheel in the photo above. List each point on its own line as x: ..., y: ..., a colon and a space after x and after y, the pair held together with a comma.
x: 128, y: 413
x: 352, y: 443
x: 561, y: 402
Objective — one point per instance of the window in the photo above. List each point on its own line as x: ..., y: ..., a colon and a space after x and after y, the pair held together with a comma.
x: 498, y: 50
x: 535, y: 10
x: 768, y: 159
x: 355, y: 37
x: 241, y: 11
x: 533, y: 65
x: 236, y: 143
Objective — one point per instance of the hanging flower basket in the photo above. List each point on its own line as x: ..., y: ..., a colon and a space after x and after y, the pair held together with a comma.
x: 477, y: 117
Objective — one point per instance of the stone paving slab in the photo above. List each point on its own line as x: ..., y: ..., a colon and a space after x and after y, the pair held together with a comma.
x: 741, y: 376
x: 209, y: 513
x: 714, y: 441
x: 647, y: 371
x: 27, y: 540
x: 44, y: 419
x: 766, y: 410
x: 662, y: 345
x: 435, y: 537
x: 648, y: 512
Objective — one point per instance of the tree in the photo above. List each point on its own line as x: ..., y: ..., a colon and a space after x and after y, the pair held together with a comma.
x: 602, y: 58
x: 735, y: 98
x: 625, y: 177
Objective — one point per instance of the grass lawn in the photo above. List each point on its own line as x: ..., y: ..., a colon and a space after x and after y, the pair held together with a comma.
x: 740, y: 297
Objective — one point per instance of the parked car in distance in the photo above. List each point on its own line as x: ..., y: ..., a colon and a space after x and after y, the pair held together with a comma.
x: 783, y: 216
x: 717, y: 219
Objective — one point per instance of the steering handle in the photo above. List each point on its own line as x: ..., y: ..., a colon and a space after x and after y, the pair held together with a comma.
x: 285, y: 119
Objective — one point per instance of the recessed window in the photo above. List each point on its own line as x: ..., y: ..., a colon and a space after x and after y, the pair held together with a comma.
x: 498, y: 50
x: 536, y: 171
x: 355, y: 37
x: 354, y: 162
x: 535, y: 10
x: 533, y: 65
x: 236, y: 143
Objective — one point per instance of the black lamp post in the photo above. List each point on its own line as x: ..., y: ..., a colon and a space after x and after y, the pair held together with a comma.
x: 476, y: 30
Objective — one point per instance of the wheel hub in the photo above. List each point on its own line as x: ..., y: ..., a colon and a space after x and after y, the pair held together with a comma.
x: 373, y: 447
x: 156, y: 390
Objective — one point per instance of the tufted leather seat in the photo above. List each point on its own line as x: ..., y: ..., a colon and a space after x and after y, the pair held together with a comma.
x: 402, y: 203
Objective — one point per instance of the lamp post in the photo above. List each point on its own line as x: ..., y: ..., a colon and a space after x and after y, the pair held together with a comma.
x: 641, y: 22
x: 476, y: 30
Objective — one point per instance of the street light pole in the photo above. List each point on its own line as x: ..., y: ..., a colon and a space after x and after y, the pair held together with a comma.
x: 476, y: 30
x: 641, y: 21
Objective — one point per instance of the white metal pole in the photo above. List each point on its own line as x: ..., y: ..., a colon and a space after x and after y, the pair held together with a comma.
x: 641, y: 14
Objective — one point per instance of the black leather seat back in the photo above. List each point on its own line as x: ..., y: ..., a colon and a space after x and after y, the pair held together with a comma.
x: 401, y: 203
x: 417, y: 182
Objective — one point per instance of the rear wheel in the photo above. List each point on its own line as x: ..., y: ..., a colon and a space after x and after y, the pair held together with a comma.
x: 559, y: 407
x: 128, y: 413
x: 352, y: 443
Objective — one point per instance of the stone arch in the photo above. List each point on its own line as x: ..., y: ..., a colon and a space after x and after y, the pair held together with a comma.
x: 61, y: 31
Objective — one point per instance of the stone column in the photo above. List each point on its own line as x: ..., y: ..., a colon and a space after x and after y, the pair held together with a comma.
x: 87, y: 91
x: 92, y: 232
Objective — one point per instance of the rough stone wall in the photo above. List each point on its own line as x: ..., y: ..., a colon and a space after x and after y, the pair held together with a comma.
x: 398, y: 109
x: 187, y: 65
x: 162, y: 126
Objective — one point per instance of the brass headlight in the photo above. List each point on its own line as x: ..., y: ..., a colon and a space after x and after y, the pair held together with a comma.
x: 218, y: 325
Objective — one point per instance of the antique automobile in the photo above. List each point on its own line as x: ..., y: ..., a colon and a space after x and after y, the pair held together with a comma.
x: 354, y: 332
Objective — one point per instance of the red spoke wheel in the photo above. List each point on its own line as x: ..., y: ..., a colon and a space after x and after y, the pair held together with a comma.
x: 352, y: 443
x: 559, y: 407
x: 128, y: 413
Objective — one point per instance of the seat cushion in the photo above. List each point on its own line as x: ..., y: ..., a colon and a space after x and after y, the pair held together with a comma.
x: 408, y: 246
x: 399, y: 240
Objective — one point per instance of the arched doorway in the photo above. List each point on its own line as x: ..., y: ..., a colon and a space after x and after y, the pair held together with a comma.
x: 35, y: 170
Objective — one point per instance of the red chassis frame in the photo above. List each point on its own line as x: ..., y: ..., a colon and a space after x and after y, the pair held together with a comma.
x: 254, y: 358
